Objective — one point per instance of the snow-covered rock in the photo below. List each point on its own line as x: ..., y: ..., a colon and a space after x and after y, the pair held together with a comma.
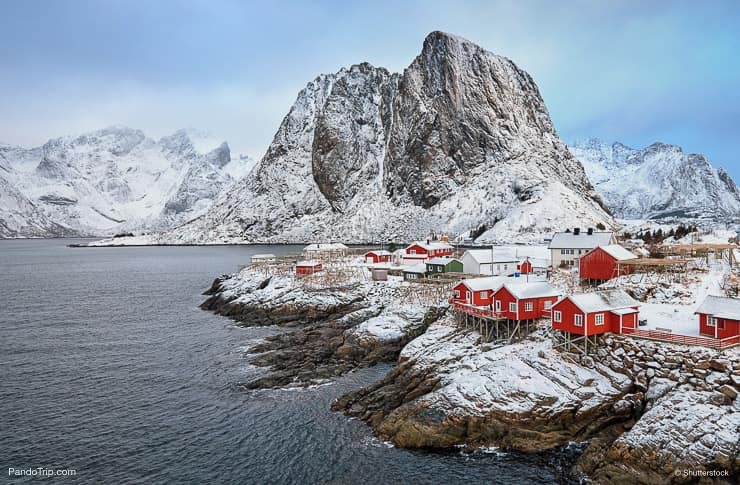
x: 459, y: 140
x: 659, y: 181
x: 113, y: 180
x: 449, y: 390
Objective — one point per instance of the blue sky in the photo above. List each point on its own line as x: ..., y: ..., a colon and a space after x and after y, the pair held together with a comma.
x: 636, y: 72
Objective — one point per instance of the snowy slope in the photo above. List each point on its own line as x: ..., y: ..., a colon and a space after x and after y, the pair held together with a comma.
x: 116, y: 179
x: 659, y: 181
x: 460, y: 139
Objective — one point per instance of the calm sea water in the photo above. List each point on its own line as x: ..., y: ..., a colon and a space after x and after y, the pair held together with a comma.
x: 109, y: 368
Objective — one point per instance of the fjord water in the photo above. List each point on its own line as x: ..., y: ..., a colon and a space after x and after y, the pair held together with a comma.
x: 109, y: 368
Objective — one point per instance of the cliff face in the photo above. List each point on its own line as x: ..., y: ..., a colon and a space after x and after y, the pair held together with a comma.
x: 459, y: 140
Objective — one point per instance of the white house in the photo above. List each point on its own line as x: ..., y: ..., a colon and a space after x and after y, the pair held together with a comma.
x: 484, y: 261
x: 566, y: 248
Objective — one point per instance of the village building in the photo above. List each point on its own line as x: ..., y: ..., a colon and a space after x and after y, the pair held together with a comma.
x: 262, y: 258
x: 415, y: 272
x: 378, y: 256
x: 524, y: 301
x: 719, y: 317
x: 324, y: 251
x: 567, y: 248
x: 421, y: 251
x: 443, y: 265
x: 604, y: 263
x: 476, y: 291
x: 595, y: 313
x: 484, y: 261
x: 308, y: 267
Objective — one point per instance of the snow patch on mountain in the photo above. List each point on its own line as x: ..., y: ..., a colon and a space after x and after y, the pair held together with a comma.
x: 657, y: 182
x: 112, y: 180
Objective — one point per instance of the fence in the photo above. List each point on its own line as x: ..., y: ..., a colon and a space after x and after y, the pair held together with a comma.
x: 475, y: 311
x: 711, y: 342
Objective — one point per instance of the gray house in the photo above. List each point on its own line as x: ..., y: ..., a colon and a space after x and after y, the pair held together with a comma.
x: 566, y: 248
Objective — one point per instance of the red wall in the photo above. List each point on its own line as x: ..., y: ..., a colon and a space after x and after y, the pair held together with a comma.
x: 476, y: 296
x: 599, y: 265
x: 611, y: 321
x: 731, y: 327
x: 538, y: 305
x: 420, y: 250
x: 307, y: 269
x: 525, y: 267
x: 384, y: 258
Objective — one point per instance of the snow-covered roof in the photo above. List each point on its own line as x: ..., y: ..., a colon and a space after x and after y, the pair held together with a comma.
x: 308, y: 263
x: 720, y: 306
x: 568, y: 240
x: 440, y: 260
x: 380, y: 252
x: 416, y: 268
x: 488, y: 283
x: 325, y: 247
x: 623, y: 311
x: 538, y: 289
x: 617, y: 252
x: 486, y: 256
x: 606, y: 300
x: 431, y: 245
x: 263, y: 256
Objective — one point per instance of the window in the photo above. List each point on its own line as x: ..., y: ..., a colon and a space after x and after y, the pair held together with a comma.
x: 498, y: 305
x: 484, y: 294
x: 557, y: 316
x: 599, y: 319
x: 457, y: 293
x: 548, y: 305
x: 512, y: 307
x: 562, y: 251
x: 412, y: 251
x: 506, y: 266
x: 528, y: 306
x: 578, y: 320
x: 711, y: 321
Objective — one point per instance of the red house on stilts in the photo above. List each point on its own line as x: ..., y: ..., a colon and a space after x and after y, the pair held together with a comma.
x: 524, y: 301
x: 308, y: 267
x: 604, y: 263
x: 476, y: 291
x: 577, y: 320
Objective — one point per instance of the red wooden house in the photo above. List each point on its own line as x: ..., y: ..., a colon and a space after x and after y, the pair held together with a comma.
x: 595, y: 313
x: 421, y: 251
x: 308, y: 267
x: 525, y: 267
x: 719, y: 317
x: 379, y: 256
x: 476, y: 291
x: 524, y: 301
x: 604, y: 263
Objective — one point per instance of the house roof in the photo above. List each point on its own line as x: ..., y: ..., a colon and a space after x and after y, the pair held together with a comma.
x: 486, y: 256
x: 488, y: 283
x: 720, y: 306
x: 605, y: 300
x: 623, y: 311
x: 617, y: 252
x: 537, y: 289
x: 568, y: 240
x: 380, y: 252
x: 263, y: 256
x: 325, y: 247
x: 442, y: 261
x: 416, y: 268
x: 308, y: 263
x: 431, y: 245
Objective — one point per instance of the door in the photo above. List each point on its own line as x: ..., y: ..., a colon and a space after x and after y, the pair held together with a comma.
x: 498, y: 305
x: 467, y: 297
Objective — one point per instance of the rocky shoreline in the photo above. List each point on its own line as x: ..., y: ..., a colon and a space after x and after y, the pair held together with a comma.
x: 331, y: 331
x: 646, y: 412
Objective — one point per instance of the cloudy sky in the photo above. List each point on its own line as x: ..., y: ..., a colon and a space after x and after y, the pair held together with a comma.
x: 636, y: 72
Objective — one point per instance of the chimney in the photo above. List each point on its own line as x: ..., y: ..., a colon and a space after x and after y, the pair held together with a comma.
x: 590, y: 231
x: 576, y: 231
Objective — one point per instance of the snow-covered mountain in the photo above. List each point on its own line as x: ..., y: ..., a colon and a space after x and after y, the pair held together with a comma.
x: 659, y: 181
x: 112, y: 180
x: 461, y: 139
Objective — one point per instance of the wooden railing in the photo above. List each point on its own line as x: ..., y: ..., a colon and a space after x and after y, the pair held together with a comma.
x: 474, y: 311
x: 711, y: 342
